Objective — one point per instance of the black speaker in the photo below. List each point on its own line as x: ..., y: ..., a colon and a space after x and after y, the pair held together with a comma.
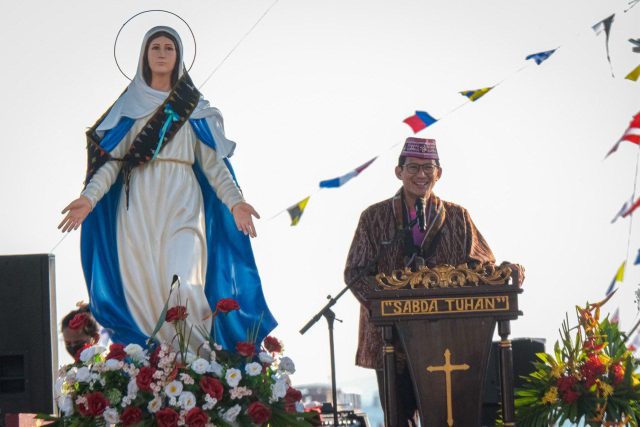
x: 28, y: 340
x: 524, y: 354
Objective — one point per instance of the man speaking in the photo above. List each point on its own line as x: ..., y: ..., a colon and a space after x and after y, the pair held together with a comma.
x: 413, y: 228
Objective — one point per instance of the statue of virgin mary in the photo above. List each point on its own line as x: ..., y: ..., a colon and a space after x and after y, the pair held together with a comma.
x: 160, y: 200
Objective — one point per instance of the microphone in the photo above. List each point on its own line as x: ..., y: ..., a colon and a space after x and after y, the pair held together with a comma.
x: 420, y: 214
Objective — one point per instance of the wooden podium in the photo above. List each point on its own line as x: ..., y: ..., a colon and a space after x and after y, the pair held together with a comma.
x: 444, y: 319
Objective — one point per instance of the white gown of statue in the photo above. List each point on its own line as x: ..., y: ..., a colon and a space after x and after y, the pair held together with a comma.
x: 162, y: 232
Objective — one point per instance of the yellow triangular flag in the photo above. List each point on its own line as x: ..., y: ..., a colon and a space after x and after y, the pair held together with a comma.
x: 620, y: 272
x: 295, y: 211
x: 633, y: 75
x: 475, y: 94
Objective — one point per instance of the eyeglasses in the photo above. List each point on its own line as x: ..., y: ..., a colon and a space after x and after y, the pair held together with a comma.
x: 414, y: 168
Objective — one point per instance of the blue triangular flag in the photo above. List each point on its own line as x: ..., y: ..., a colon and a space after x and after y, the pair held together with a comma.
x: 540, y: 57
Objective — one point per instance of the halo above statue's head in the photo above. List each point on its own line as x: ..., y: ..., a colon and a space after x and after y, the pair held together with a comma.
x: 115, y: 43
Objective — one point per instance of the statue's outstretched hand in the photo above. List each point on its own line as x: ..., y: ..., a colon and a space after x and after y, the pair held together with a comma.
x: 76, y: 212
x: 242, y: 213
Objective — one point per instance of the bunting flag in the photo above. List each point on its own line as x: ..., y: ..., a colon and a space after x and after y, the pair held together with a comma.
x: 615, y: 317
x: 631, y: 209
x: 476, y: 94
x: 636, y: 45
x: 540, y: 57
x: 341, y: 180
x: 634, y: 74
x: 295, y: 211
x: 420, y: 120
x: 619, y: 277
x: 632, y: 134
x: 605, y: 25
x: 621, y: 212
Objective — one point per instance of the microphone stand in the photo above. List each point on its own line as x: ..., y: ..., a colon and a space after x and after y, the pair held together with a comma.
x: 330, y: 315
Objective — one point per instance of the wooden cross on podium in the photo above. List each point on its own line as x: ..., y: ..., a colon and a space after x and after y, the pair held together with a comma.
x: 447, y: 368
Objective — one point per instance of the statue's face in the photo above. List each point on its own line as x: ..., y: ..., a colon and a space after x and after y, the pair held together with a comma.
x: 418, y: 176
x: 161, y: 55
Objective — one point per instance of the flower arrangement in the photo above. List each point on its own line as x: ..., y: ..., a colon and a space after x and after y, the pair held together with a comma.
x: 591, y: 377
x: 166, y: 387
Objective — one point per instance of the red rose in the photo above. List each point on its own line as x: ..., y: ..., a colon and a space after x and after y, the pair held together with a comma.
x: 130, y: 416
x: 293, y: 395
x: 78, y: 321
x: 167, y: 417
x: 272, y: 344
x: 179, y: 312
x: 145, y: 378
x: 212, y: 387
x: 246, y: 349
x: 259, y: 413
x: 618, y: 373
x: 226, y: 305
x: 116, y: 351
x: 95, y: 405
x: 196, y: 417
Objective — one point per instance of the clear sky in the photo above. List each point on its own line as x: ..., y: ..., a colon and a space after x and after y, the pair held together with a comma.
x: 320, y: 87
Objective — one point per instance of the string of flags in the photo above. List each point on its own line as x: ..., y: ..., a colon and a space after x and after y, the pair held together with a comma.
x: 631, y: 134
x: 417, y: 123
x: 422, y: 120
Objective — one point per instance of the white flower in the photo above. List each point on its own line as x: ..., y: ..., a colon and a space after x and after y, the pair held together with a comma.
x: 265, y: 357
x: 135, y: 351
x: 187, y: 400
x: 187, y: 379
x: 286, y: 365
x: 65, y: 403
x: 279, y: 389
x: 83, y: 375
x: 113, y: 365
x: 173, y: 389
x: 211, y: 402
x: 231, y: 414
x: 155, y: 405
x: 88, y: 353
x: 216, y: 368
x: 239, y: 392
x: 70, y: 378
x: 111, y: 416
x: 200, y: 366
x: 253, y: 369
x: 58, y: 387
x: 132, y: 388
x: 233, y: 377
